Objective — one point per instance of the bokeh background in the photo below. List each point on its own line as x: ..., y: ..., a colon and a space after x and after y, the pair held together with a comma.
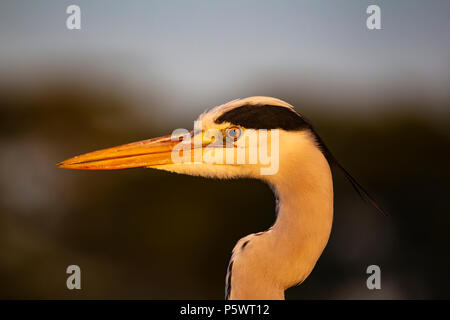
x: 138, y: 69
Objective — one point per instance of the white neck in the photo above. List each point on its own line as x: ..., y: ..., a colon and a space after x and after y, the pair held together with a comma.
x: 285, y: 255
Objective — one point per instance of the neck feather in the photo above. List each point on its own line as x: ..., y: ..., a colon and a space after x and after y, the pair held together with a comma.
x: 283, y: 256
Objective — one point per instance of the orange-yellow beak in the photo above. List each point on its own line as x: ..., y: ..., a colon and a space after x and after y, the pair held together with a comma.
x: 146, y: 153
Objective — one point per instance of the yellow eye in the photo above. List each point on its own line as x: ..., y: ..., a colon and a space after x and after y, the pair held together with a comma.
x: 234, y: 133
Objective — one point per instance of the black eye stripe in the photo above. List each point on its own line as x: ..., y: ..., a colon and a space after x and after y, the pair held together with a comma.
x: 272, y: 117
x: 264, y: 117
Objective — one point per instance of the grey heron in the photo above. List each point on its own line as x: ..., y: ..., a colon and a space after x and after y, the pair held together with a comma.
x: 264, y: 264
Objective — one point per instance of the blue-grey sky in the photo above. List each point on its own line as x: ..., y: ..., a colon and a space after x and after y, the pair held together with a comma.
x: 214, y: 51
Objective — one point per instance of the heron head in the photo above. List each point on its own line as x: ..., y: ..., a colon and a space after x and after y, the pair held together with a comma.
x: 242, y: 138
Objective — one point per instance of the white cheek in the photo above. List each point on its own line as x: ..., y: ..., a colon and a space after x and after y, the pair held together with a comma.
x: 212, y: 170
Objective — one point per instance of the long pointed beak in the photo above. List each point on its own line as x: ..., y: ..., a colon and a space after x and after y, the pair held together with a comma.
x: 146, y: 153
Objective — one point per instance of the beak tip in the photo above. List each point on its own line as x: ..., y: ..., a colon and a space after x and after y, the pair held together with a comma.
x: 63, y: 164
x: 60, y: 165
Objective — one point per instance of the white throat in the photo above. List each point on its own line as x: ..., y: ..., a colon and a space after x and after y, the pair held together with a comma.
x: 265, y: 264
